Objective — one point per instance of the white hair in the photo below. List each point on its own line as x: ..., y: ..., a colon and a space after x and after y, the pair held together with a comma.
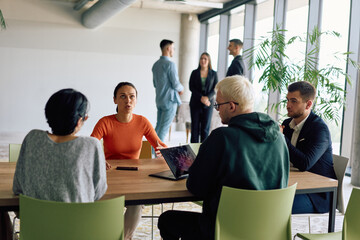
x: 237, y: 89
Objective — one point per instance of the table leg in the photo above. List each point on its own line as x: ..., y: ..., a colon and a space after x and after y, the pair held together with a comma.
x: 332, y: 212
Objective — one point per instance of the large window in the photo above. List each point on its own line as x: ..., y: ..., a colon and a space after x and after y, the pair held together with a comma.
x: 213, y: 40
x: 335, y: 17
x: 263, y: 25
x: 296, y: 25
x: 237, y: 26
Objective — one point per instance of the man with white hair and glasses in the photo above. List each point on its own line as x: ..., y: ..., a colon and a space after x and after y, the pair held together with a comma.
x: 250, y: 153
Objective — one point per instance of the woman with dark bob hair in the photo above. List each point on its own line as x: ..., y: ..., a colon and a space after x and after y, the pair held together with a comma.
x: 122, y: 134
x: 61, y: 166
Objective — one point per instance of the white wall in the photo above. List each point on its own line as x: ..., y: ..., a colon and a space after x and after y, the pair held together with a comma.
x: 45, y: 48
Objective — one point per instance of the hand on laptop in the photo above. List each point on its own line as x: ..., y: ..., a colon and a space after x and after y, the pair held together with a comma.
x: 157, y: 150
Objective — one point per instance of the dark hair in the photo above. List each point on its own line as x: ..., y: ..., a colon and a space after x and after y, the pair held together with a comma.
x: 120, y: 85
x: 208, y: 55
x: 164, y: 43
x: 63, y: 110
x: 237, y: 42
x: 306, y: 89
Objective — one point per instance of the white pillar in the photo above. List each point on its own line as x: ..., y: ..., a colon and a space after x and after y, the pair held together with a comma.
x: 188, y: 61
x: 188, y: 50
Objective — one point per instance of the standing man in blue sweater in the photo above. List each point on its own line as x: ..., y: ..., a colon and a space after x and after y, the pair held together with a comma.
x: 168, y: 88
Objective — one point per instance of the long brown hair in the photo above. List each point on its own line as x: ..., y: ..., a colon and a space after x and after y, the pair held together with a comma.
x: 208, y: 55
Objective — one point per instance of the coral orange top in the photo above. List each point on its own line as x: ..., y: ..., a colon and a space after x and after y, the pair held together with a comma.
x: 124, y: 140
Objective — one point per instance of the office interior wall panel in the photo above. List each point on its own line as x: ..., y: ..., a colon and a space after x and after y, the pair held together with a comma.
x: 42, y: 54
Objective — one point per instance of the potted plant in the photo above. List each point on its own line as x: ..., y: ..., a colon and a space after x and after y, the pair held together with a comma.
x: 2, y: 21
x: 279, y: 71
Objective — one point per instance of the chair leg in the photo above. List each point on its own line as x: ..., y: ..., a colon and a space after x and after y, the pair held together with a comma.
x: 169, y: 133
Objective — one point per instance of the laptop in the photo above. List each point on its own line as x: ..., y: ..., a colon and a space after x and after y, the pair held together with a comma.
x: 179, y: 159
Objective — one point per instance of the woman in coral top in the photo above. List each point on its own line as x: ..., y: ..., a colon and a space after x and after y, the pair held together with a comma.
x: 122, y: 134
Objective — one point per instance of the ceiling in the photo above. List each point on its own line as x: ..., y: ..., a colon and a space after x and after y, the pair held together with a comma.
x: 163, y: 5
x: 173, y: 6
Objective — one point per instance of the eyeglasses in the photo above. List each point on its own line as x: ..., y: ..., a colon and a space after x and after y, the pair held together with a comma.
x: 217, y: 105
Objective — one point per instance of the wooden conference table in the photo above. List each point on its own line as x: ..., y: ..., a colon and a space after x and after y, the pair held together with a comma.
x: 139, y: 188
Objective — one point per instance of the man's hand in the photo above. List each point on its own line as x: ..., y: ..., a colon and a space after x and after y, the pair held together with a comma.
x: 281, y: 128
x: 181, y: 93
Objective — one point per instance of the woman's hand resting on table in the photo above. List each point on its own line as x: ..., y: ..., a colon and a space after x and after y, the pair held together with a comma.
x: 108, y: 165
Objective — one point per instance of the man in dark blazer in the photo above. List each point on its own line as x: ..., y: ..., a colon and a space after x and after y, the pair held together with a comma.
x: 237, y: 66
x: 309, y: 143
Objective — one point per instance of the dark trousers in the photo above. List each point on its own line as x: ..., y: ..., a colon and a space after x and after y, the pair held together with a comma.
x: 179, y: 224
x: 302, y: 204
x: 200, y: 122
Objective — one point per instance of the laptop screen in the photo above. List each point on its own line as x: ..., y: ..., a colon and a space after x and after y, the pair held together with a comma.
x: 178, y: 158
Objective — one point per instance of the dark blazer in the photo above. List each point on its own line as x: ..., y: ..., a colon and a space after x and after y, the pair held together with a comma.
x: 196, y: 87
x: 313, y: 153
x: 237, y: 67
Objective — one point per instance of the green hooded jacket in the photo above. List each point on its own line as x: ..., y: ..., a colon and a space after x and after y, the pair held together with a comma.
x: 250, y: 153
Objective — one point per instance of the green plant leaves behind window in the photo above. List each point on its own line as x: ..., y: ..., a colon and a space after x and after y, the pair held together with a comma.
x: 2, y: 21
x: 279, y: 70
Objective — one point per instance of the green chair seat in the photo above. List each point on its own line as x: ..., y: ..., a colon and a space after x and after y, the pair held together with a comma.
x: 325, y: 236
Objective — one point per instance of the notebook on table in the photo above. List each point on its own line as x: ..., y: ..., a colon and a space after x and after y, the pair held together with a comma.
x: 179, y: 159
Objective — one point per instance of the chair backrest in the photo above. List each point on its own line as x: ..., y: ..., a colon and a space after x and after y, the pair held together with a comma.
x: 145, y: 150
x: 340, y: 164
x: 351, y: 230
x: 14, y: 152
x: 195, y: 147
x: 253, y: 215
x: 41, y: 219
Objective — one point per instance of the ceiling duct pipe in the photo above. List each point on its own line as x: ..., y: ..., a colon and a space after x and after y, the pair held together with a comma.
x: 101, y: 11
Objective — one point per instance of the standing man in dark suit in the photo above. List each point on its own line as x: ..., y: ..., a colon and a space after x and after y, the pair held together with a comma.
x: 237, y: 66
x: 309, y: 143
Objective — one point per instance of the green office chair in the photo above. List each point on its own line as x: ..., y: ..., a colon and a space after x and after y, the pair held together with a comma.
x: 351, y: 229
x: 41, y: 219
x: 195, y: 147
x: 14, y: 152
x: 253, y: 215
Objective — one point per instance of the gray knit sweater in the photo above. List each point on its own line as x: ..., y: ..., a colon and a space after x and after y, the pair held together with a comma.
x: 72, y: 171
